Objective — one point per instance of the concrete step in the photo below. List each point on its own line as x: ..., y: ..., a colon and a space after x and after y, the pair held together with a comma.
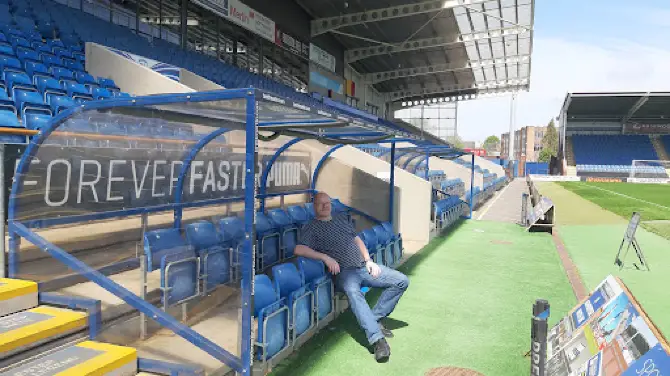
x: 17, y: 295
x: 87, y: 358
x: 28, y: 329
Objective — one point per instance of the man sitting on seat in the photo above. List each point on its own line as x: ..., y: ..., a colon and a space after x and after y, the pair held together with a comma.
x: 333, y: 240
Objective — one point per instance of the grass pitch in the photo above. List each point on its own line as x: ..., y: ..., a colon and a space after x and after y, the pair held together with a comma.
x: 651, y: 200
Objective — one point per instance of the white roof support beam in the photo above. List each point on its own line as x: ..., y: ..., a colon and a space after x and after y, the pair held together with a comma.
x: 324, y: 25
x: 481, y: 88
x: 356, y: 54
x: 640, y: 102
x: 377, y: 77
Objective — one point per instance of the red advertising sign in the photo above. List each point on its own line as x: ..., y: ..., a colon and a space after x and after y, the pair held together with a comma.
x: 477, y: 152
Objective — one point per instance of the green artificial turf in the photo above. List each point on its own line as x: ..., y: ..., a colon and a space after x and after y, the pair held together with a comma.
x: 592, y: 236
x: 593, y: 249
x: 468, y: 305
x: 651, y: 200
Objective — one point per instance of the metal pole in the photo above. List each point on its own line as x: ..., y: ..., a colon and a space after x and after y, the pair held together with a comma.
x: 392, y: 187
x: 427, y: 160
x: 249, y: 244
x: 143, y: 266
x: 472, y: 185
x: 183, y: 16
x: 512, y: 110
x: 3, y: 260
x: 137, y: 17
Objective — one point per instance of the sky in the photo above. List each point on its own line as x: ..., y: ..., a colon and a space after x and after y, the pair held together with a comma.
x: 580, y: 46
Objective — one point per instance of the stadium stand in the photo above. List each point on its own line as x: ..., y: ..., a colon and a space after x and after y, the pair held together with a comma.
x: 666, y: 142
x: 74, y: 27
x: 612, y: 155
x: 42, y: 76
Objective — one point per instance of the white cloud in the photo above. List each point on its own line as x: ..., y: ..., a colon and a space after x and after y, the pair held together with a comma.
x: 560, y: 66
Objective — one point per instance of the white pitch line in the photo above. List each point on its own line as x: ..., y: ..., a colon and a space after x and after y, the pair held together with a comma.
x: 493, y: 202
x: 629, y: 197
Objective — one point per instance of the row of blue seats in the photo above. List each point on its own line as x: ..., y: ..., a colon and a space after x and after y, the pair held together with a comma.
x: 287, y: 307
x: 85, y: 27
x: 621, y: 168
x: 447, y: 211
x: 19, y: 15
x: 612, y: 149
x: 39, y: 79
x: 454, y: 187
x: 383, y: 244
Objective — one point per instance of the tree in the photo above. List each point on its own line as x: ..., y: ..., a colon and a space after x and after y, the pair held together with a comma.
x: 455, y: 141
x: 549, y: 143
x: 545, y: 156
x: 492, y: 143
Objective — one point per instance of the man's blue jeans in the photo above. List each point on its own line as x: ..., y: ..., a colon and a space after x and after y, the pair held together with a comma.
x: 392, y: 281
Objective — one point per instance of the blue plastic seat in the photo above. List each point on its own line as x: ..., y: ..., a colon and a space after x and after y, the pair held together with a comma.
x: 74, y: 65
x: 314, y: 274
x: 24, y: 54
x: 9, y: 64
x: 232, y: 237
x: 17, y: 80
x: 6, y: 49
x: 8, y: 116
x: 298, y: 215
x: 290, y: 285
x: 51, y: 60
x: 27, y: 100
x: 273, y: 319
x: 35, y: 68
x: 62, y: 74
x: 269, y: 242
x: 288, y: 230
x: 59, y: 102
x: 107, y: 83
x: 101, y: 93
x: 48, y: 85
x: 309, y: 208
x: 85, y: 78
x: 214, y: 257
x: 397, y: 241
x: 370, y: 240
x: 36, y: 120
x: 385, y: 245
x: 168, y: 252
x: 77, y: 91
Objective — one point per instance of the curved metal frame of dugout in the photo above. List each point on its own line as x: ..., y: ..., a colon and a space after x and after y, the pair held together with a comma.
x: 257, y: 111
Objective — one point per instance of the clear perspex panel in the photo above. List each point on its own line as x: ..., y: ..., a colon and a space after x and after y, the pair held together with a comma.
x: 86, y: 187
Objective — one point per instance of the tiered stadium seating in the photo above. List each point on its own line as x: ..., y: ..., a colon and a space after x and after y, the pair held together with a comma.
x: 447, y: 211
x: 612, y: 155
x: 454, y: 187
x: 296, y: 301
x: 41, y: 76
x: 74, y: 27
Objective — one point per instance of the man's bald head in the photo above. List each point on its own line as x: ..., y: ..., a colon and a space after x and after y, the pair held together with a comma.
x: 322, y: 206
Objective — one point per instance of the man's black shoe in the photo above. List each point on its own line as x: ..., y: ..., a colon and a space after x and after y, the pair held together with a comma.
x: 386, y: 332
x: 382, y: 351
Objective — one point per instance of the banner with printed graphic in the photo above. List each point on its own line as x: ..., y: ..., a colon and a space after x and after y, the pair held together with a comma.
x: 292, y: 44
x: 249, y: 19
x: 608, y: 334
x: 321, y: 57
x: 646, y: 128
x: 167, y: 70
x: 67, y: 181
x: 241, y: 14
